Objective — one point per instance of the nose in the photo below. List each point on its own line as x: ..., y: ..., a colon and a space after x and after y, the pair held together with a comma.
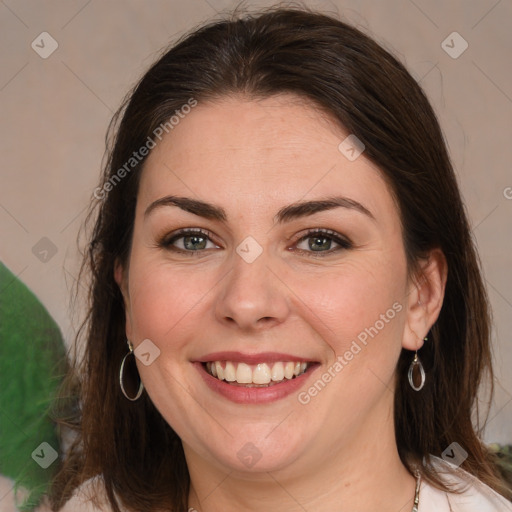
x: 252, y: 297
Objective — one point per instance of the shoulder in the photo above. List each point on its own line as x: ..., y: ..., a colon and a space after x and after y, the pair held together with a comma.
x: 475, y: 496
x: 89, y: 497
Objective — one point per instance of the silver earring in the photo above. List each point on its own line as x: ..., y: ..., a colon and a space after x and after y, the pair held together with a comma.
x: 416, y: 363
x: 121, y: 376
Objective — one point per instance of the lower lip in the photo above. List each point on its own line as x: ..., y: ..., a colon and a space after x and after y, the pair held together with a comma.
x: 244, y: 395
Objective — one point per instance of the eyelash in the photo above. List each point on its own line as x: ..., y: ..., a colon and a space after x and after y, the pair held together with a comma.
x: 343, y: 243
x: 167, y: 241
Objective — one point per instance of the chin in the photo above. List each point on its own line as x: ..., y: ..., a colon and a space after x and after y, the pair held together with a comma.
x: 257, y: 451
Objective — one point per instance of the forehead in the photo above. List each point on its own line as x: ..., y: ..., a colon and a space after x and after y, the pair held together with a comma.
x: 280, y: 149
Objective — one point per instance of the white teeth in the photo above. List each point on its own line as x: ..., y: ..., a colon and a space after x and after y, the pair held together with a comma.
x: 220, y: 370
x: 260, y: 374
x: 288, y: 370
x: 278, y: 372
x: 243, y: 374
x: 230, y: 372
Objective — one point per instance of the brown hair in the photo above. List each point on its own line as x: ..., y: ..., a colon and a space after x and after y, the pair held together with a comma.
x: 370, y: 93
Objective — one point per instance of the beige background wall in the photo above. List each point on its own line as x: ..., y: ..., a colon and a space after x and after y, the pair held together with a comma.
x: 54, y: 114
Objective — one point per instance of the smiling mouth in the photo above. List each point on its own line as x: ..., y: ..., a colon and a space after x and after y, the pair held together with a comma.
x: 259, y: 375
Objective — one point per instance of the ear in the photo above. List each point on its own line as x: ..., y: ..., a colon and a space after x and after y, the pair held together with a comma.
x: 121, y: 278
x: 425, y: 299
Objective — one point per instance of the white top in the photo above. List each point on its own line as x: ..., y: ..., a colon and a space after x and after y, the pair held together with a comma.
x: 475, y: 495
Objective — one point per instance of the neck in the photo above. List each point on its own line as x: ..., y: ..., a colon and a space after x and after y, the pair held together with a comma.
x: 387, y: 490
x: 365, y: 474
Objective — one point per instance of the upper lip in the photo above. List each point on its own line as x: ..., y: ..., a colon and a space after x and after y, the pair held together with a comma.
x: 261, y: 357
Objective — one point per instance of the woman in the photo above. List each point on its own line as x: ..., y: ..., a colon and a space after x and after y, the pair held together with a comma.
x: 281, y: 248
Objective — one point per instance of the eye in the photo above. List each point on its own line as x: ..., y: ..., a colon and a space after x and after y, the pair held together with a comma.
x: 321, y: 241
x: 188, y: 240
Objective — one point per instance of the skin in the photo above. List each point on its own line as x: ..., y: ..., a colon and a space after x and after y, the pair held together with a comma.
x: 253, y: 157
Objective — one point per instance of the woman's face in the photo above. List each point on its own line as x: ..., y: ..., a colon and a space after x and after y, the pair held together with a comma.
x: 271, y: 280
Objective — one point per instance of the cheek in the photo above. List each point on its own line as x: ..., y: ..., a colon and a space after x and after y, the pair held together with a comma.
x: 360, y: 312
x: 164, y: 300
x: 353, y: 299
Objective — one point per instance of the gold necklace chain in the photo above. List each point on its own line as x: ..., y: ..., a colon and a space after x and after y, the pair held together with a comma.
x: 416, y: 495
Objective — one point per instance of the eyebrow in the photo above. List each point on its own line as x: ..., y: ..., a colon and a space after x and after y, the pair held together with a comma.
x: 285, y: 214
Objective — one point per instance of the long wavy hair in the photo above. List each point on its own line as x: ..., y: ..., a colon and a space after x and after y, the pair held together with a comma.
x: 347, y: 74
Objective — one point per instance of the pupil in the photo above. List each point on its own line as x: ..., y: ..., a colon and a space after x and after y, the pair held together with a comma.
x: 319, y: 243
x: 194, y: 242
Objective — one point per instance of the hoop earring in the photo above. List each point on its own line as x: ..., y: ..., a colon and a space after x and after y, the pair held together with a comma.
x: 410, y: 375
x: 121, y: 376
